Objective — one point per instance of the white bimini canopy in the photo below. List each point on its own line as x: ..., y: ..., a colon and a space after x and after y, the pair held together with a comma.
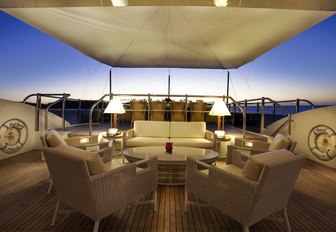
x: 147, y: 34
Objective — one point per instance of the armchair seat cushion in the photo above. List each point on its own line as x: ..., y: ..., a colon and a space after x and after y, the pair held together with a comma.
x: 233, y: 169
x: 93, y: 160
x: 112, y: 165
x: 254, y: 164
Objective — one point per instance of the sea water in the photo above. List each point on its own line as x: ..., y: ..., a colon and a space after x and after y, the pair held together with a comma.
x: 76, y: 116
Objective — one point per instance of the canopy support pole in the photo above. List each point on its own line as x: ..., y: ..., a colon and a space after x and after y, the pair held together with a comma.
x: 168, y: 83
x: 111, y: 116
x: 227, y: 86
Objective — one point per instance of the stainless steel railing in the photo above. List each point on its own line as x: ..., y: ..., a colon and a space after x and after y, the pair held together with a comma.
x: 38, y: 103
x: 260, y: 105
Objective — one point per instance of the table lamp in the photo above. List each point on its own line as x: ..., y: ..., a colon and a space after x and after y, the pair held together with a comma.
x: 114, y: 107
x: 219, y: 109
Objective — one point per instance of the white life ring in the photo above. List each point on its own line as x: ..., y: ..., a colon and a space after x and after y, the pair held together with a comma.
x: 322, y: 142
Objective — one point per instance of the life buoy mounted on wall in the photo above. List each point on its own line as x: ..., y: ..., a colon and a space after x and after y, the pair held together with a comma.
x: 13, y: 135
x: 322, y: 142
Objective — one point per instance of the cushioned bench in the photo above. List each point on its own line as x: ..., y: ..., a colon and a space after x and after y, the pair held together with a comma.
x: 157, y: 133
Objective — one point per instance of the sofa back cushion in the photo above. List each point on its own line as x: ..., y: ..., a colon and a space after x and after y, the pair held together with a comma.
x: 187, y: 130
x: 255, y: 163
x: 151, y: 129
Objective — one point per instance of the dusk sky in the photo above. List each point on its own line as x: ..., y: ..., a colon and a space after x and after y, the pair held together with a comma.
x: 33, y: 62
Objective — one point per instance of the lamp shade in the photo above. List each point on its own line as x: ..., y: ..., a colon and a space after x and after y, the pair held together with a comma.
x: 114, y: 107
x: 219, y: 109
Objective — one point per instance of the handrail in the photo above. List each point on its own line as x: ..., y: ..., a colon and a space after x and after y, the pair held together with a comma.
x: 297, y: 102
x: 38, y: 105
x: 49, y: 95
x: 289, y: 116
x: 64, y: 98
x: 148, y: 96
x: 279, y: 128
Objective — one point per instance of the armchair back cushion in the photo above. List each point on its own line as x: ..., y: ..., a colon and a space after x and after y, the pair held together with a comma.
x: 93, y: 161
x: 279, y: 142
x: 187, y: 130
x: 151, y: 129
x: 255, y: 163
x: 54, y: 139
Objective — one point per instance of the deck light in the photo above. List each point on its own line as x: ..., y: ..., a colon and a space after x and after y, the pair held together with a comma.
x: 219, y: 109
x: 220, y: 3
x: 114, y: 107
x: 119, y: 2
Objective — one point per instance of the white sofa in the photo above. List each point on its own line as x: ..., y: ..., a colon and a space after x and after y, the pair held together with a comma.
x: 157, y: 133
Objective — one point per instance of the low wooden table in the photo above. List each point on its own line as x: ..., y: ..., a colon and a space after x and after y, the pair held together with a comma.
x: 171, y: 167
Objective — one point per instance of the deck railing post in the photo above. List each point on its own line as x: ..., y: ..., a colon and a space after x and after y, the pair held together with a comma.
x: 297, y: 105
x: 186, y: 109
x: 262, y: 120
x: 79, y: 116
x: 37, y: 112
x: 63, y: 113
x: 148, y: 107
x: 225, y: 99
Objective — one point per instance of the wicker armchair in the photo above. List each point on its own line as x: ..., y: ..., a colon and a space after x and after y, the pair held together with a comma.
x: 138, y: 110
x: 82, y: 182
x: 243, y: 148
x: 198, y: 111
x: 178, y: 111
x: 247, y: 195
x: 157, y: 110
x: 52, y: 139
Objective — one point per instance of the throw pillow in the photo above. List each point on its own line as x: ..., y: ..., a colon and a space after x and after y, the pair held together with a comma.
x: 279, y: 142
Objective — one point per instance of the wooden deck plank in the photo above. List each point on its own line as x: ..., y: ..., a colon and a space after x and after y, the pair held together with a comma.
x: 172, y: 210
x: 25, y: 206
x: 185, y: 224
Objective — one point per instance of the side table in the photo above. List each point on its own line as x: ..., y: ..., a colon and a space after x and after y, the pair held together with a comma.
x: 113, y: 139
x: 221, y: 145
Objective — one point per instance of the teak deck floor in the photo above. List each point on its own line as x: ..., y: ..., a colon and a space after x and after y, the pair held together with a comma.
x: 26, y: 206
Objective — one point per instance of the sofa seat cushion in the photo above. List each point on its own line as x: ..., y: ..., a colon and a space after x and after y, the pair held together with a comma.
x: 146, y: 141
x: 93, y: 160
x: 113, y: 164
x: 192, y: 142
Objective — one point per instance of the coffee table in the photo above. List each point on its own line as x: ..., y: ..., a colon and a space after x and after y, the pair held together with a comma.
x: 171, y: 167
